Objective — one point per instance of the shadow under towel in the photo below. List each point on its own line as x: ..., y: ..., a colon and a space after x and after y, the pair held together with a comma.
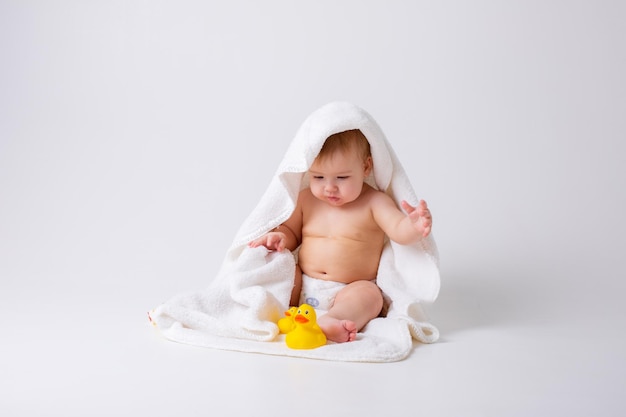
x: 241, y: 306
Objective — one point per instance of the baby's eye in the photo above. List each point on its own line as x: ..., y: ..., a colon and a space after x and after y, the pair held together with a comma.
x: 318, y: 177
x: 343, y: 178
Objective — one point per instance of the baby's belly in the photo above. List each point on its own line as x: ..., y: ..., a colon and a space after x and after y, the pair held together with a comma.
x: 338, y: 259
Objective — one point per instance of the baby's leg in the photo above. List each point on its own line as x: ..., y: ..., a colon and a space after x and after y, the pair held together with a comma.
x: 355, y: 305
x: 297, y: 287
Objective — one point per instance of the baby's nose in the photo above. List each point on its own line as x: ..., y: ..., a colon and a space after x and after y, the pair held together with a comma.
x: 330, y: 185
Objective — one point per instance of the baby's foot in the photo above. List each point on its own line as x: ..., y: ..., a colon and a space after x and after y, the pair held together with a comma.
x: 338, y: 330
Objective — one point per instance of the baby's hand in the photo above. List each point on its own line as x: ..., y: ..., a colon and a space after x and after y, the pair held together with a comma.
x: 272, y: 241
x: 420, y: 217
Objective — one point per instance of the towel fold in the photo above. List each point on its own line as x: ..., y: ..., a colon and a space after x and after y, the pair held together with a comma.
x: 240, y: 307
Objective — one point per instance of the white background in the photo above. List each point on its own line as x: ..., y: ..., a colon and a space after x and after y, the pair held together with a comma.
x: 135, y: 137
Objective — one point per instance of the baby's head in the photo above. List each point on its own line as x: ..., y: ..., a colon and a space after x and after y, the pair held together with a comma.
x: 338, y: 172
x: 345, y: 142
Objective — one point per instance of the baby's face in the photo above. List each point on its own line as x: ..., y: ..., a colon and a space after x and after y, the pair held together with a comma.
x: 338, y: 179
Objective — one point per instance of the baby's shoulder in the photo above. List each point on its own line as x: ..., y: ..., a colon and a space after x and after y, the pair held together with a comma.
x: 374, y: 194
x: 305, y: 193
x: 305, y: 198
x: 380, y: 200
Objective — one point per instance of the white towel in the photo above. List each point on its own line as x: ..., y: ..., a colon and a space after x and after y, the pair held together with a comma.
x: 240, y: 307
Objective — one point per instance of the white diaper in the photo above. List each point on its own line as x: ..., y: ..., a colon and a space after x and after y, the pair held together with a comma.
x: 318, y: 293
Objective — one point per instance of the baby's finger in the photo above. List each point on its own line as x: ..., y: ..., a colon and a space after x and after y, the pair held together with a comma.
x: 428, y: 224
x: 272, y: 241
x: 407, y: 207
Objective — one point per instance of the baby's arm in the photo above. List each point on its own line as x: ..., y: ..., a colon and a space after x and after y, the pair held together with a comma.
x: 287, y: 235
x: 400, y: 227
x: 278, y: 239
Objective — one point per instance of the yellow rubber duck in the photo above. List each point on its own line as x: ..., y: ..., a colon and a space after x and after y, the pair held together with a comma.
x: 306, y: 333
x: 286, y: 324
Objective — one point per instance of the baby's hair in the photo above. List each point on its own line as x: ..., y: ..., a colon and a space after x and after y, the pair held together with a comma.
x: 346, y: 141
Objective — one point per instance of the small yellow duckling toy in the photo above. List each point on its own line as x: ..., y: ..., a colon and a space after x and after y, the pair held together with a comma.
x: 286, y: 324
x: 306, y: 333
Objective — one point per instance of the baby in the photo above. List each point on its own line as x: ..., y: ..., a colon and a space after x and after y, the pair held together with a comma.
x: 340, y: 224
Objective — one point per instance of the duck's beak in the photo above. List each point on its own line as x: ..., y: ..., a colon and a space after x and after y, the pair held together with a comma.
x: 301, y: 319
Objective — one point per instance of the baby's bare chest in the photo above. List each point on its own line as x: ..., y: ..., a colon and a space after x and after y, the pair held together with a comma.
x: 340, y: 223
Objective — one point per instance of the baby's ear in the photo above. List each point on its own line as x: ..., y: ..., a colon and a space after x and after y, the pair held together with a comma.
x: 368, y: 165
